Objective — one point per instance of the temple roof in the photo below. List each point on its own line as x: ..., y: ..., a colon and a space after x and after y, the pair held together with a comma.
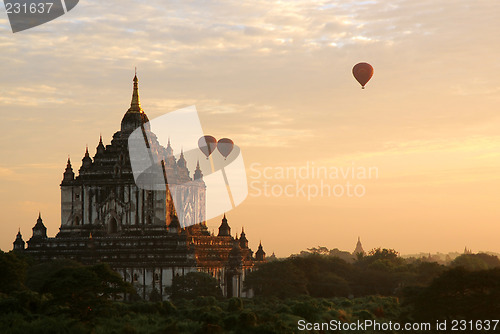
x: 135, y: 116
x: 112, y: 162
x: 39, y: 223
x: 224, y: 229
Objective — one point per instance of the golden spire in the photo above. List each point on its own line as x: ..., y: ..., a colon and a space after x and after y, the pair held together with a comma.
x: 135, y: 105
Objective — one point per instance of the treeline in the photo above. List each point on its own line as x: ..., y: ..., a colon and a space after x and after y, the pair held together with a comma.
x: 67, y: 297
x: 467, y: 289
x: 382, y: 272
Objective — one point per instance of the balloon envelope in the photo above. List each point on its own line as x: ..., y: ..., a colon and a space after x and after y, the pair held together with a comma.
x: 207, y: 145
x: 225, y: 146
x: 363, y: 72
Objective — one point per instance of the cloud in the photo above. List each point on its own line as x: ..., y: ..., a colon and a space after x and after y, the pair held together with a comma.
x: 33, y: 95
x: 227, y: 57
x: 274, y: 75
x: 6, y: 172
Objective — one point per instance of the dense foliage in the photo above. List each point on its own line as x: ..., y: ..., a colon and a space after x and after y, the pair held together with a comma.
x: 381, y: 272
x: 67, y: 297
x: 194, y: 284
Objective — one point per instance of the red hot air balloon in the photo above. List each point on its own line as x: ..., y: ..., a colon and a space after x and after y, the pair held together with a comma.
x: 207, y: 145
x: 363, y: 72
x: 225, y: 146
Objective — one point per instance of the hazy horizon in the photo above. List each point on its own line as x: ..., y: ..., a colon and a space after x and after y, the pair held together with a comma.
x: 276, y: 78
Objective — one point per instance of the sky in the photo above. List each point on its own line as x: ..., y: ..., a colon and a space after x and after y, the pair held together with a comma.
x: 275, y: 77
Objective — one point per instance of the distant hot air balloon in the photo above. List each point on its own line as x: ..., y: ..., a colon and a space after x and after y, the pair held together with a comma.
x: 207, y: 145
x: 363, y: 73
x: 225, y: 146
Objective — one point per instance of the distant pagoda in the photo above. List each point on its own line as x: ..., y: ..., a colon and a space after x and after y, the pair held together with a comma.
x: 359, y: 248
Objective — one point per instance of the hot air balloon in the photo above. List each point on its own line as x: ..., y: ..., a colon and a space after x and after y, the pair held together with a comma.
x: 363, y: 73
x: 207, y: 145
x: 225, y: 146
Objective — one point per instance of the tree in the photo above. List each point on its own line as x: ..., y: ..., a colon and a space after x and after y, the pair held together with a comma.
x: 319, y: 250
x: 346, y: 256
x: 193, y: 285
x: 381, y: 259
x: 280, y: 279
x: 479, y: 261
x: 84, y: 289
x: 326, y: 275
x: 425, y: 272
x: 383, y: 254
x: 12, y: 272
x: 458, y: 294
x: 39, y: 274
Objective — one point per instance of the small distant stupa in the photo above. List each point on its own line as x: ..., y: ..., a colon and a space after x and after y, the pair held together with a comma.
x: 359, y: 248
